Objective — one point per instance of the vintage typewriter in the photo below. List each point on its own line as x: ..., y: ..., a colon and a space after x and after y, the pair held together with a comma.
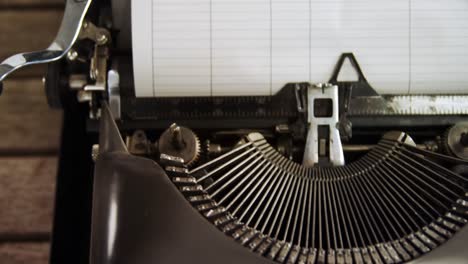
x: 330, y: 172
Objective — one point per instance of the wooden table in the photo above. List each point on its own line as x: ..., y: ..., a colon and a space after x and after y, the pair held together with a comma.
x: 29, y: 135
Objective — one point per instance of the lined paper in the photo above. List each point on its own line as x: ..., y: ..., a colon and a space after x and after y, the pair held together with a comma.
x: 255, y: 47
x: 377, y: 32
x: 241, y: 47
x: 439, y: 46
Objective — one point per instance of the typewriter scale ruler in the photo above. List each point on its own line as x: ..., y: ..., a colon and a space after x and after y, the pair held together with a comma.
x: 409, y: 105
x: 281, y: 105
x: 393, y: 205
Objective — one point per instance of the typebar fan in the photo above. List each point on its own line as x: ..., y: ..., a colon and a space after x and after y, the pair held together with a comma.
x: 392, y: 205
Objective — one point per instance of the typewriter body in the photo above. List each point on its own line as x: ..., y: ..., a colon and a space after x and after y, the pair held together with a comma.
x: 331, y: 172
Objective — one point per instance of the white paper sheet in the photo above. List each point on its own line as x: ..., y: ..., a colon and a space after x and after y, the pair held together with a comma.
x: 254, y: 47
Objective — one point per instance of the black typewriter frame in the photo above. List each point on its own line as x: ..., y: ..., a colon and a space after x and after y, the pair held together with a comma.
x: 74, y: 186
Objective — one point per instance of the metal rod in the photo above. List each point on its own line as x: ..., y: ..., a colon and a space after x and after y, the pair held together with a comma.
x: 220, y: 158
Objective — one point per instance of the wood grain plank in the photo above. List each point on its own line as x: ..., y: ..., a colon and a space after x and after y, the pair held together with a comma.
x: 30, y: 253
x: 26, y: 3
x: 27, y: 189
x: 26, y: 121
x: 27, y: 185
x: 34, y: 71
x: 27, y: 30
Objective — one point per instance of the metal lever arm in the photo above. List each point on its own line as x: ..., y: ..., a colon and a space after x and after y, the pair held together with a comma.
x: 75, y: 12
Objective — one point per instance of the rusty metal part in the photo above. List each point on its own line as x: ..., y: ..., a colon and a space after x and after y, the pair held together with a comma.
x: 180, y: 142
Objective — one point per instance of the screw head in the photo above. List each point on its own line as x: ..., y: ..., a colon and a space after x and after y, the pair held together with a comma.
x: 72, y: 55
x: 102, y: 39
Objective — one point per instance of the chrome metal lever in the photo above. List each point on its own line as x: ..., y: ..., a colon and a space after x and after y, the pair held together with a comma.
x: 75, y: 12
x: 323, y: 142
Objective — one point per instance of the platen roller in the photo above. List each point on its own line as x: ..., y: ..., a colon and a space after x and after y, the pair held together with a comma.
x: 393, y: 205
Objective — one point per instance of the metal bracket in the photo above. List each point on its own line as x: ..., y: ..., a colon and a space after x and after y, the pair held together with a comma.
x: 75, y: 12
x: 100, y: 36
x: 98, y: 66
x: 301, y: 99
x: 323, y: 145
x: 98, y: 69
x: 361, y: 87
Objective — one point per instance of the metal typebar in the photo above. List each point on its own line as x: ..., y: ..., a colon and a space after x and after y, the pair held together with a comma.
x: 394, y: 204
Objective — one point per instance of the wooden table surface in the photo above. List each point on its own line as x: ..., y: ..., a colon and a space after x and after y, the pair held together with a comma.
x: 29, y: 135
